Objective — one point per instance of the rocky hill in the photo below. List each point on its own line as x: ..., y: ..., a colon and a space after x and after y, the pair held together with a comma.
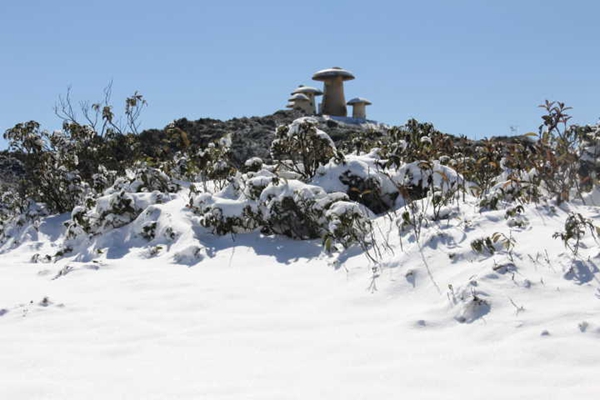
x: 251, y: 137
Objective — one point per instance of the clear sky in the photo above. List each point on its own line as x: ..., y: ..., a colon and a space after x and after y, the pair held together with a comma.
x: 470, y: 67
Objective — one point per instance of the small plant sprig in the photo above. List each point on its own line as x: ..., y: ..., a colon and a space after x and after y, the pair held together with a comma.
x: 557, y: 160
x: 414, y: 219
x: 508, y: 242
x: 513, y: 212
x: 487, y: 243
x: 482, y: 245
x: 575, y: 228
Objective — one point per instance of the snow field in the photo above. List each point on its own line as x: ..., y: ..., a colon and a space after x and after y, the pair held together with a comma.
x: 266, y: 317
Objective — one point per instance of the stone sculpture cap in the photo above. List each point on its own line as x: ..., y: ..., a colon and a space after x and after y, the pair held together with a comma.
x: 299, y: 96
x: 307, y: 89
x: 358, y: 100
x: 334, y: 72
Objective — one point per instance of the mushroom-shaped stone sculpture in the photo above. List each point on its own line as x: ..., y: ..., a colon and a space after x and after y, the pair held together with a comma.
x: 301, y: 102
x: 333, y: 90
x: 358, y: 107
x: 311, y: 93
x: 290, y: 104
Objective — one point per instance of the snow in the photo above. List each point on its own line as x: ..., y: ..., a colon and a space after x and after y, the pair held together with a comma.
x: 363, y: 166
x: 266, y: 317
x: 150, y: 304
x: 418, y: 173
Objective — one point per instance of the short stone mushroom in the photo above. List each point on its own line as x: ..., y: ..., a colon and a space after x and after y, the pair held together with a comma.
x: 290, y: 104
x: 359, y: 105
x: 301, y: 102
x: 311, y: 93
x: 333, y: 79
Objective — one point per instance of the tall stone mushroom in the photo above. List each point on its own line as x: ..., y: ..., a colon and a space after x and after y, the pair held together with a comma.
x: 311, y: 93
x: 333, y: 90
x: 301, y: 102
x: 359, y: 105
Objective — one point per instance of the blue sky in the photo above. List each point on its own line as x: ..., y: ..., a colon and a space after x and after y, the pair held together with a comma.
x: 470, y: 67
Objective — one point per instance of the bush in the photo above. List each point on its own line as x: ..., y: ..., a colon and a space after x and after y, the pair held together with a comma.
x: 589, y: 169
x: 420, y: 179
x: 348, y: 224
x: 18, y: 217
x: 121, y: 203
x: 557, y: 164
x: 302, y: 148
x: 296, y: 210
x: 575, y: 227
x: 51, y: 174
x: 225, y: 216
x: 362, y: 178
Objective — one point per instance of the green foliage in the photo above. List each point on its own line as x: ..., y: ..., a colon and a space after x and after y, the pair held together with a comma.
x: 99, y: 170
x: 149, y: 230
x: 368, y: 191
x: 576, y: 226
x: 589, y: 170
x: 412, y: 218
x: 347, y: 225
x: 488, y: 244
x: 302, y: 148
x: 415, y: 141
x: 297, y: 217
x: 51, y: 174
x: 514, y: 211
x: 221, y: 224
x: 483, y: 245
x: 557, y: 161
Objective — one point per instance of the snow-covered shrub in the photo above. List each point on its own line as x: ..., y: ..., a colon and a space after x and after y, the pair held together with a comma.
x: 235, y: 208
x: 288, y: 207
x: 590, y: 156
x: 436, y: 183
x: 297, y: 210
x: 121, y: 203
x: 301, y: 147
x: 512, y: 186
x: 515, y: 217
x: 181, y: 167
x: 255, y: 182
x: 348, y: 224
x: 487, y: 244
x: 413, y: 218
x: 482, y: 165
x: 103, y: 179
x: 213, y: 162
x: 253, y: 164
x: 225, y: 215
x: 415, y: 141
x: 11, y: 203
x: 58, y: 166
x: 576, y: 226
x: 362, y: 141
x: 19, y: 221
x: 285, y: 207
x: 143, y: 178
x: 148, y: 230
x: 556, y: 158
x: 362, y: 178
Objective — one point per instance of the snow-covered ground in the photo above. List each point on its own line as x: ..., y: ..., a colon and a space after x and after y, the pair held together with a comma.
x: 266, y: 317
